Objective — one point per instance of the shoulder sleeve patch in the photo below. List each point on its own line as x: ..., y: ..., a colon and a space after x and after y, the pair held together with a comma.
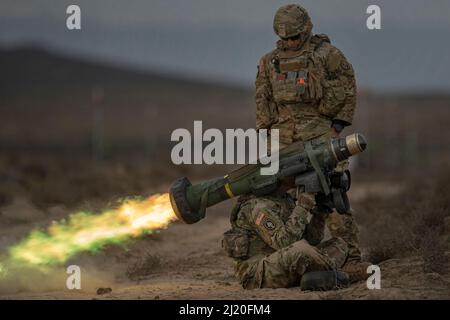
x: 269, y: 224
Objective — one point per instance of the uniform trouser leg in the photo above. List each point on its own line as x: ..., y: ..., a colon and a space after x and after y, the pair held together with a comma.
x: 285, y: 267
x: 344, y: 226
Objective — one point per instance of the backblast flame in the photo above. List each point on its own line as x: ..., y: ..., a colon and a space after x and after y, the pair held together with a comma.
x: 89, y: 232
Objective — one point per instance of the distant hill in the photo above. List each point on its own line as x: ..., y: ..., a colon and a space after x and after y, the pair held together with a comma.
x: 47, y: 99
x: 31, y: 70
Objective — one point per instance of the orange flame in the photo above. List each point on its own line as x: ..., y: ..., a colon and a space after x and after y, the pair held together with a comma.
x: 89, y: 232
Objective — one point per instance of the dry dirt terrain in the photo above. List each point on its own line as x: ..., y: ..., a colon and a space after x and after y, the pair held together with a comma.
x: 186, y: 262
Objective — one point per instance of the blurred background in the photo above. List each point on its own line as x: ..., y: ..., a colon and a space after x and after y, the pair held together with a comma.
x: 87, y: 114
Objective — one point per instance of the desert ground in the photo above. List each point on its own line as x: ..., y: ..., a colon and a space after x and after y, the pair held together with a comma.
x: 187, y: 262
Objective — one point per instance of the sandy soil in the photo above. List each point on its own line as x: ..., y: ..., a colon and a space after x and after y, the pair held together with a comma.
x: 186, y: 262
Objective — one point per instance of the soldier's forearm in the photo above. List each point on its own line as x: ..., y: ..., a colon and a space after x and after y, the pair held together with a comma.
x: 293, y: 230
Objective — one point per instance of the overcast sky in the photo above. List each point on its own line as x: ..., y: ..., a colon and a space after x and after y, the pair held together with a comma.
x: 223, y: 40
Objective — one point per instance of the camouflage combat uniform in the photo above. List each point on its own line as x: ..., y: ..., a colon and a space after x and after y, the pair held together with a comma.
x: 303, y: 93
x: 274, y: 242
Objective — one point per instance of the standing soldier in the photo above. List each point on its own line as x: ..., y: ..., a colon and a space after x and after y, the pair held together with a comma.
x: 306, y: 88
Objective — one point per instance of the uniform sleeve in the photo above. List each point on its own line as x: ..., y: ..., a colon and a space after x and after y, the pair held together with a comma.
x: 341, y: 87
x: 263, y: 96
x: 266, y: 222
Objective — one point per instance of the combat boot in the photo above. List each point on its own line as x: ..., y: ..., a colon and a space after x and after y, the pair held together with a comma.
x: 324, y: 280
x: 356, y: 270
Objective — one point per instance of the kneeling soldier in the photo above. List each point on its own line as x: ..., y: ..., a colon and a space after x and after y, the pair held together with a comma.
x: 275, y: 242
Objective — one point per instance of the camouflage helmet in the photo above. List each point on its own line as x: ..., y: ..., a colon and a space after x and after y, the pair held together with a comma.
x: 292, y: 20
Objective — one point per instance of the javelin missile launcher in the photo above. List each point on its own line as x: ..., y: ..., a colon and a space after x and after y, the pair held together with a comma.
x: 310, y: 165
